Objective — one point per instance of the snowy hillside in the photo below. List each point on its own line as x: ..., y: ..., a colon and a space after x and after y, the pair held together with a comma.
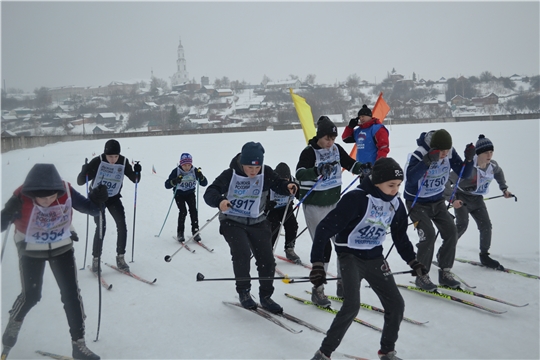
x: 179, y: 318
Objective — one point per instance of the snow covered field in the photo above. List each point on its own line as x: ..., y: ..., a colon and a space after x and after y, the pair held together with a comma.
x: 179, y: 318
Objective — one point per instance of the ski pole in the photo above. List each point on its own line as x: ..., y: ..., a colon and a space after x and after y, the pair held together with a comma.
x: 352, y: 182
x: 134, y: 213
x: 495, y: 197
x: 282, y: 221
x: 412, y: 205
x: 164, y: 221
x: 101, y: 213
x: 285, y: 279
x: 309, y: 192
x: 168, y: 258
x: 4, y: 241
x: 87, y: 220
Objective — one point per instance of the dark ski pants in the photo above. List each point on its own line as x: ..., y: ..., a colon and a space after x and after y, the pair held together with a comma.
x: 475, y: 206
x: 182, y: 199
x: 353, y: 270
x: 116, y: 209
x: 245, y: 240
x: 290, y: 225
x: 64, y: 270
x: 424, y: 214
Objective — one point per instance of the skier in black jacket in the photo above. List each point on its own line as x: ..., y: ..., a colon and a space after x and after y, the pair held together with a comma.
x: 109, y: 169
x: 240, y: 193
x: 361, y: 220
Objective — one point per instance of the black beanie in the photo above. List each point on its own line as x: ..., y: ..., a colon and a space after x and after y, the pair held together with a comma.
x: 441, y: 140
x: 112, y: 147
x: 364, y: 111
x: 283, y: 171
x: 252, y: 154
x: 386, y: 169
x: 43, y: 180
x: 325, y: 126
x: 483, y: 144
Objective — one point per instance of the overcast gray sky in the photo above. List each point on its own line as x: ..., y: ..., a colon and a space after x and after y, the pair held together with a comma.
x: 93, y: 43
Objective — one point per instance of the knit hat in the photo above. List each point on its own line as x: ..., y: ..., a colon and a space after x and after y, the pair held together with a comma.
x: 186, y: 158
x: 283, y: 170
x: 252, y: 154
x: 43, y: 180
x: 386, y: 169
x: 441, y: 140
x: 483, y: 144
x: 364, y: 111
x: 325, y: 126
x: 112, y: 147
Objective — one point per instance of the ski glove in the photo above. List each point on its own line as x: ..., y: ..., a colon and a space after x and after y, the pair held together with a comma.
x: 137, y: 168
x: 353, y: 123
x: 325, y: 169
x: 176, y: 180
x: 74, y: 236
x: 99, y: 195
x: 470, y: 150
x: 418, y: 268
x: 12, y: 211
x: 431, y: 156
x: 317, y: 275
x: 199, y: 174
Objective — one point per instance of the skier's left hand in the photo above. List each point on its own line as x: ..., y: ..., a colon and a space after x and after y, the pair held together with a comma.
x: 292, y: 188
x: 137, y: 168
x: 456, y: 204
x: 470, y: 151
x: 507, y: 194
x: 317, y: 275
x: 199, y: 174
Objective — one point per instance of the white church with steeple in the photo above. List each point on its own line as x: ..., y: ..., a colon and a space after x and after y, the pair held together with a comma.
x: 181, y: 75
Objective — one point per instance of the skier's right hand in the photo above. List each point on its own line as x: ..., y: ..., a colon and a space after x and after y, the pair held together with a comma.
x: 225, y: 205
x: 176, y: 180
x: 431, y: 156
x: 317, y: 275
x: 418, y: 268
x: 99, y: 195
x: 353, y: 123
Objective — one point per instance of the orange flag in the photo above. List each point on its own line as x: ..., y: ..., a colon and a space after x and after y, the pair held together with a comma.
x: 380, y: 110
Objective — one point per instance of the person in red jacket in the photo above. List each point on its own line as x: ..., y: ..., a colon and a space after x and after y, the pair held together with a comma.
x: 370, y: 136
x: 41, y: 211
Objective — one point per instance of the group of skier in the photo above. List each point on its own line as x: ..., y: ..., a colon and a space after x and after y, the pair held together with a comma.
x: 254, y: 201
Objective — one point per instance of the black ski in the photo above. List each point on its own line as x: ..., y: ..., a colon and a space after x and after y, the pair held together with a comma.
x: 54, y: 356
x: 307, y: 266
x: 266, y: 315
x: 104, y: 283
x: 297, y: 321
x: 129, y: 273
x: 483, y: 296
x: 450, y: 298
x: 200, y: 243
x: 374, y: 308
x: 510, y: 271
x: 332, y: 311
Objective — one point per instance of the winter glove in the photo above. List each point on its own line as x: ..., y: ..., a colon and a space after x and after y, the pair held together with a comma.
x: 353, y: 123
x: 199, y: 174
x: 270, y: 205
x: 317, y: 275
x: 431, y: 156
x: 176, y: 180
x: 418, y: 268
x: 137, y: 168
x: 325, y: 169
x: 74, y: 236
x: 99, y: 195
x: 12, y: 211
x: 470, y: 150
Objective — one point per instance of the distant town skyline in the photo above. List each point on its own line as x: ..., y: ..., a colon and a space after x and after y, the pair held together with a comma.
x: 54, y: 44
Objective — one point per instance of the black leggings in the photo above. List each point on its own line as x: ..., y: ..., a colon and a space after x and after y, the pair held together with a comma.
x: 116, y: 208
x: 65, y: 272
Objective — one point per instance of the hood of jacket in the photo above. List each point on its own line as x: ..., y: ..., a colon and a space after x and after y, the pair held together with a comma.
x: 424, y: 140
x: 43, y: 177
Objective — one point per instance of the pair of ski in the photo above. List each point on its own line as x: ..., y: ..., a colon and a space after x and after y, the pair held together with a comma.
x: 188, y: 248
x: 274, y: 319
x: 460, y: 300
x: 108, y: 286
x: 373, y: 308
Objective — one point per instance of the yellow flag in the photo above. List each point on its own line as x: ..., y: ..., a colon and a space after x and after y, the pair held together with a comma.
x: 304, y: 114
